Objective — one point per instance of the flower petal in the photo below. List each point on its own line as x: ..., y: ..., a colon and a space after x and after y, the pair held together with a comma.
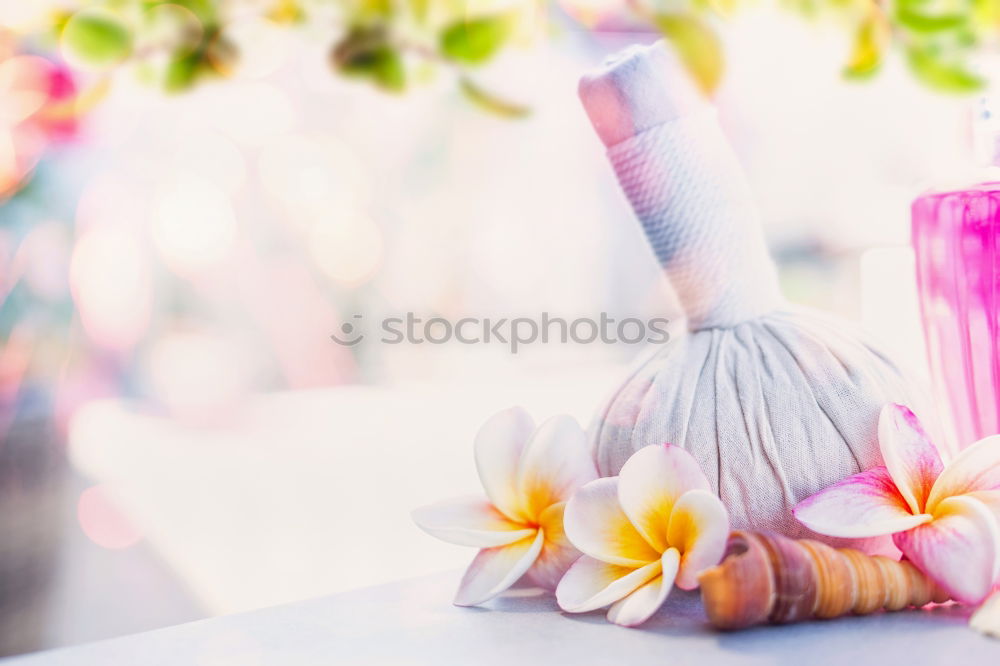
x: 913, y: 462
x: 650, y: 482
x: 699, y: 528
x: 959, y: 549
x: 498, y: 448
x: 596, y: 525
x: 986, y: 619
x: 557, y: 552
x: 556, y: 461
x: 975, y: 468
x: 991, y: 498
x: 864, y: 505
x: 493, y: 570
x: 469, y: 521
x: 639, y: 606
x: 591, y: 584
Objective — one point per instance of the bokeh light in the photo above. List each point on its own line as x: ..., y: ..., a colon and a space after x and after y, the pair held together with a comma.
x: 15, y: 355
x: 170, y: 28
x: 312, y: 176
x: 110, y: 282
x: 25, y: 89
x: 416, y: 249
x: 95, y: 38
x: 347, y: 249
x: 210, y: 156
x: 591, y: 12
x: 252, y: 113
x: 103, y: 522
x: 45, y: 256
x: 110, y: 199
x: 194, y: 226
x: 24, y: 80
x: 20, y: 16
x: 262, y: 45
x: 198, y: 374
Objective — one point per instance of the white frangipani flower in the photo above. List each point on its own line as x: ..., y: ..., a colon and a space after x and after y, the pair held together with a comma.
x: 528, y: 476
x: 655, y: 524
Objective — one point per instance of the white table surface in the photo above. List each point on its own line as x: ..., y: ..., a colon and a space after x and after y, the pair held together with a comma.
x: 309, y: 493
x: 413, y: 622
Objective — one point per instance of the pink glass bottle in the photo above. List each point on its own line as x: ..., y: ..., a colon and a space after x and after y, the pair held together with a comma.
x: 956, y: 237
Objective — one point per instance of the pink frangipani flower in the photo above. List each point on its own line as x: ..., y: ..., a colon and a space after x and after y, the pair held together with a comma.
x: 528, y: 476
x: 944, y: 518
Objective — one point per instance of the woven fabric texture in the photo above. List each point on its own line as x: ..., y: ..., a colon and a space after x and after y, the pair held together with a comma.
x: 689, y: 193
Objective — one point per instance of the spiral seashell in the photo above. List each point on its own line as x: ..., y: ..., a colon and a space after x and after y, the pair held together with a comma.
x: 766, y: 577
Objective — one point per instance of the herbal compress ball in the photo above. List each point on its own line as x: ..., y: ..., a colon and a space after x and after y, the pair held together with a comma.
x: 774, y: 402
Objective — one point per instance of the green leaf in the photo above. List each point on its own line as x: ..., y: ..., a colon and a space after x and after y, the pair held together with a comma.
x: 182, y: 72
x: 940, y: 74
x: 221, y: 53
x: 203, y: 9
x: 475, y: 41
x: 868, y: 49
x: 366, y: 53
x: 389, y: 71
x: 986, y: 12
x: 698, y: 47
x: 169, y: 28
x: 489, y: 102
x: 96, y: 37
x: 420, y: 9
x: 216, y: 55
x: 374, y: 9
x: 918, y: 21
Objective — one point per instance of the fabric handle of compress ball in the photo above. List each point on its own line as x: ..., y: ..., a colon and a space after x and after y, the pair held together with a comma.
x: 685, y: 185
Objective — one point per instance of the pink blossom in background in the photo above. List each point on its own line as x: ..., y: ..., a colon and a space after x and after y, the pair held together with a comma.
x: 36, y: 110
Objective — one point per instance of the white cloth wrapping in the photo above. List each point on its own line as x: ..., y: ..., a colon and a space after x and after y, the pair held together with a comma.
x: 688, y: 191
x: 774, y: 402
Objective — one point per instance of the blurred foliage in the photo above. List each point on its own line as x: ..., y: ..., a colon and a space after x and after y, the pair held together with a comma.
x: 367, y: 52
x: 490, y: 102
x: 698, y: 47
x: 476, y: 40
x: 384, y: 42
x: 97, y: 36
